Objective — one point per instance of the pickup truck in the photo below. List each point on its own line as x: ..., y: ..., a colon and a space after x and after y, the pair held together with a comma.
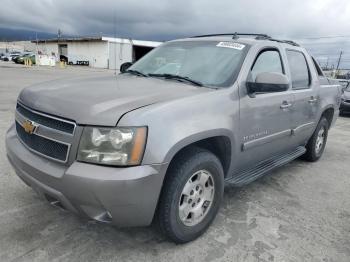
x: 157, y: 143
x: 345, y: 100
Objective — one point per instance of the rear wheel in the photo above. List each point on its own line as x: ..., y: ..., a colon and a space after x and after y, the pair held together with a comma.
x: 191, y: 195
x: 317, y: 143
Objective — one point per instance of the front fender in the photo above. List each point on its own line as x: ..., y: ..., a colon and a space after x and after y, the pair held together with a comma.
x: 196, y: 138
x: 178, y: 123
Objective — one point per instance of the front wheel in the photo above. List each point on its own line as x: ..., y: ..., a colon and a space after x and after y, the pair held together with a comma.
x: 317, y: 143
x: 191, y: 195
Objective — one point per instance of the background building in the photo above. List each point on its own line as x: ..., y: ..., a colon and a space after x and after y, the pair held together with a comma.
x: 98, y: 52
x: 21, y: 46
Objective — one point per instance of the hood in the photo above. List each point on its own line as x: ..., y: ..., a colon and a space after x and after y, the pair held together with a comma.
x: 102, y: 100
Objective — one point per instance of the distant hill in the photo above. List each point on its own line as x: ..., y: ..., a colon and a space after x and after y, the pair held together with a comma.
x: 21, y: 34
x: 7, y: 34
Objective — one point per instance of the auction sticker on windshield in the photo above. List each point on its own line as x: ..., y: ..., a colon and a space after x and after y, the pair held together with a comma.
x: 231, y: 45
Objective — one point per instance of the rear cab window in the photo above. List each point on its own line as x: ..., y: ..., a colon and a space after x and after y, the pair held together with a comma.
x: 321, y: 77
x: 299, y: 69
x: 317, y: 67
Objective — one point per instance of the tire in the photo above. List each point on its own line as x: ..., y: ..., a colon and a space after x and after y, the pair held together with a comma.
x: 193, y: 164
x: 313, y: 149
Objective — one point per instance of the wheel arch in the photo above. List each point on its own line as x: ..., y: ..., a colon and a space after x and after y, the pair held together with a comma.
x: 328, y: 113
x: 220, y: 142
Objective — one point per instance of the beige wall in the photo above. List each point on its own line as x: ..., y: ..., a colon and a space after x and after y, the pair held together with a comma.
x: 48, y: 48
x: 100, y: 54
x: 119, y: 53
x: 94, y: 52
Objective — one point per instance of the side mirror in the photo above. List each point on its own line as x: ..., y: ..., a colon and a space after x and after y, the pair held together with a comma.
x: 268, y: 82
x: 125, y: 66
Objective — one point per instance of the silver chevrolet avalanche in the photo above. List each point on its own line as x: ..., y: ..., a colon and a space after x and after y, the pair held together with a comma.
x: 158, y: 142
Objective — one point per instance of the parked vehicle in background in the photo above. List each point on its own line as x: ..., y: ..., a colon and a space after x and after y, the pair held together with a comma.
x: 159, y: 141
x: 18, y: 58
x: 12, y: 55
x: 23, y: 58
x: 345, y: 99
x: 3, y: 56
x: 344, y: 83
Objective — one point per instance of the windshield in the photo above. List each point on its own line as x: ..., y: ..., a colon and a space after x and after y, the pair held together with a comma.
x: 210, y: 63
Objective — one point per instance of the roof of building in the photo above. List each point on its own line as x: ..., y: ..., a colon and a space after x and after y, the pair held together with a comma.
x: 100, y: 38
x: 132, y: 41
x: 69, y: 39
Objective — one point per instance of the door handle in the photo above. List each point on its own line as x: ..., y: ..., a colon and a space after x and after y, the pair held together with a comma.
x: 285, y: 105
x: 312, y: 100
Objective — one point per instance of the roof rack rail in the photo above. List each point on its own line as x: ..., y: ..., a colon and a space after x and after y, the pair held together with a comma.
x: 290, y: 42
x: 284, y: 42
x: 234, y: 35
x: 277, y: 40
x: 257, y: 37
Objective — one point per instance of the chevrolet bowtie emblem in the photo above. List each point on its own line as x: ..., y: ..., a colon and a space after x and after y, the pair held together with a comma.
x: 29, y: 126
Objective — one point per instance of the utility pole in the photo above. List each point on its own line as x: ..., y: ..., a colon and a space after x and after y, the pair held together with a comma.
x: 36, y: 40
x: 341, y: 53
x: 59, y: 33
x: 36, y: 49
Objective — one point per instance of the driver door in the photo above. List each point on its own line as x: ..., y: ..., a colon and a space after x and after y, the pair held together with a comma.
x: 265, y: 118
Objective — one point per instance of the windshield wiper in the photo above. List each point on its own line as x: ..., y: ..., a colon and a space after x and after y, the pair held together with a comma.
x: 135, y: 72
x: 178, y: 77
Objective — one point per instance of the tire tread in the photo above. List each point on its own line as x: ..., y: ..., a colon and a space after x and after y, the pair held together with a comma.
x: 176, y: 170
x: 310, y: 154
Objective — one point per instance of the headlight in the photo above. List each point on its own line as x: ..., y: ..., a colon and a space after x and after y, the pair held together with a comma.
x: 121, y: 146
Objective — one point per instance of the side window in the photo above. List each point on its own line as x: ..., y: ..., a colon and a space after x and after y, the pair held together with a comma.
x: 299, y: 69
x: 267, y: 61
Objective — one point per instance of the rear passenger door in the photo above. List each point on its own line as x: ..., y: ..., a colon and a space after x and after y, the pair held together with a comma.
x: 265, y: 119
x: 305, y: 93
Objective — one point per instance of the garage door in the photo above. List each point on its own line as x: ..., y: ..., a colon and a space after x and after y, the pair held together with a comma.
x: 119, y: 53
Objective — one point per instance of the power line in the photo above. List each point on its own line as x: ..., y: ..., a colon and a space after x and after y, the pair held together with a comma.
x: 332, y: 59
x: 325, y: 37
x: 337, y: 42
x: 329, y: 54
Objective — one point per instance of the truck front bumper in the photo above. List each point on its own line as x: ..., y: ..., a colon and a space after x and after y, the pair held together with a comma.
x: 120, y: 196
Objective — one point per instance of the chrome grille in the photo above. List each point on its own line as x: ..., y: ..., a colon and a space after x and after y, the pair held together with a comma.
x: 43, y: 145
x: 52, y: 137
x: 51, y: 122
